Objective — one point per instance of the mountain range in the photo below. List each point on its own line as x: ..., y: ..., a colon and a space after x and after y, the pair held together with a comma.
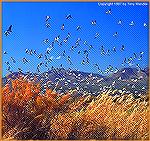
x: 129, y: 80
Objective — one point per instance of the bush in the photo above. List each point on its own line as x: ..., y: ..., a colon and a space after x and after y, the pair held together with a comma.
x: 28, y: 114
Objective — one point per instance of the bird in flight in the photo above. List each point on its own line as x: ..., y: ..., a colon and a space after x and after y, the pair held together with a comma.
x: 115, y: 34
x: 79, y: 52
x: 63, y: 27
x: 132, y: 23
x: 114, y: 49
x: 8, y: 31
x: 19, y: 70
x: 96, y: 35
x: 13, y: 60
x: 5, y: 52
x: 108, y: 11
x: 122, y: 48
x: 46, y: 41
x: 93, y: 22
x: 58, y: 57
x: 135, y: 56
x: 145, y: 25
x: 48, y: 25
x: 78, y: 44
x: 141, y: 52
x: 78, y: 27
x: 24, y: 60
x: 47, y: 18
x: 7, y: 63
x: 138, y: 66
x: 57, y: 38
x: 119, y: 22
x: 68, y: 16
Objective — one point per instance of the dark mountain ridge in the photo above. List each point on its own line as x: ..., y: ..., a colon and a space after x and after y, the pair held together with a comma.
x: 132, y: 79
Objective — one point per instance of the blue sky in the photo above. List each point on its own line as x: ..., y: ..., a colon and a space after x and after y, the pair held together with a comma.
x: 29, y: 31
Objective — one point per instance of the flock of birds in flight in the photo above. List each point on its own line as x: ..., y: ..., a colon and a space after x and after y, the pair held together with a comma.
x: 79, y: 41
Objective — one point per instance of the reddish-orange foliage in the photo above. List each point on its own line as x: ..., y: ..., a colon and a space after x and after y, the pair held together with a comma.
x: 64, y: 99
x: 6, y: 89
x: 64, y: 117
x: 21, y: 92
x: 50, y: 93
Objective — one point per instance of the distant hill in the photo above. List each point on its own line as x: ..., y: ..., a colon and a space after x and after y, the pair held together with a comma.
x: 128, y: 74
x: 130, y: 79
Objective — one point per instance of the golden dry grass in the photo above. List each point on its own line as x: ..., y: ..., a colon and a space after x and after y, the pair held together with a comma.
x: 29, y: 115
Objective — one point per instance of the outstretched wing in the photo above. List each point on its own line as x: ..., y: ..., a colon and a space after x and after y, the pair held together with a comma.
x: 68, y: 16
x: 9, y: 29
x: 6, y: 33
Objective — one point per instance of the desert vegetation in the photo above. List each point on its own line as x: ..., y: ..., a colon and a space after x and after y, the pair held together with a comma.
x: 29, y: 114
